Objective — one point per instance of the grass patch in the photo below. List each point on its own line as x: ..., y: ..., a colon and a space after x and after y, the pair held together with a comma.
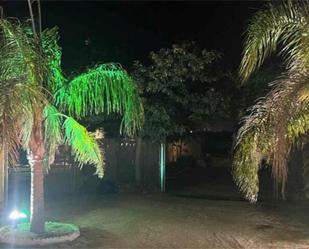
x: 52, y: 229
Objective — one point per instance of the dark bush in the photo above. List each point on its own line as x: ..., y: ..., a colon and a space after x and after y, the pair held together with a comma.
x: 182, y: 164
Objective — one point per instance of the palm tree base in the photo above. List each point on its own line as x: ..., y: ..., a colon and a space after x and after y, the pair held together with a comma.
x: 55, y: 232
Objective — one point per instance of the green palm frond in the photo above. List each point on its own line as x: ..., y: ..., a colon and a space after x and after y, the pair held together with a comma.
x: 84, y: 146
x: 53, y: 134
x: 106, y: 89
x: 52, y: 55
x: 285, y: 24
x: 298, y: 126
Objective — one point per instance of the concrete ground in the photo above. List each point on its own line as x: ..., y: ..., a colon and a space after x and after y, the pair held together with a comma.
x: 165, y: 221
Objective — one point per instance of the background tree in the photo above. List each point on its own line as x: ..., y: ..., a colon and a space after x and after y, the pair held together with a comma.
x: 180, y: 89
x: 280, y: 120
x: 35, y: 94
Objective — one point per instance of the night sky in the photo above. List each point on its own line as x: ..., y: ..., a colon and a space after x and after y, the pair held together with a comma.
x: 122, y: 32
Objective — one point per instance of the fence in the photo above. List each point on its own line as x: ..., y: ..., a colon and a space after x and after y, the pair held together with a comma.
x: 131, y: 165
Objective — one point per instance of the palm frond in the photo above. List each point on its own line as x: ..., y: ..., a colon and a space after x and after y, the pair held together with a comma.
x: 281, y: 119
x: 52, y: 55
x: 268, y: 133
x: 53, y: 134
x: 247, y: 159
x: 20, y: 85
x: 20, y: 59
x: 106, y: 89
x: 16, y: 114
x: 284, y: 24
x: 22, y: 99
x: 84, y: 146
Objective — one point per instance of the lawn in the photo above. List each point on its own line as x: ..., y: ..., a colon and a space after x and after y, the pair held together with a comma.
x: 163, y: 221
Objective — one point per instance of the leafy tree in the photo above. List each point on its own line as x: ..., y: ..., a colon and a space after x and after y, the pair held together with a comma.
x: 35, y: 94
x: 179, y: 86
x: 280, y: 120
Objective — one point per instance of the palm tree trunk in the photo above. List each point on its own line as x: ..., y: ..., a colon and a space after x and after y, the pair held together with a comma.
x: 3, y: 176
x: 2, y: 180
x: 4, y: 163
x: 36, y: 157
x: 37, y: 197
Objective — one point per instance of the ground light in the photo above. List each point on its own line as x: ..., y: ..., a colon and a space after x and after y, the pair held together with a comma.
x: 16, y: 217
x: 18, y: 232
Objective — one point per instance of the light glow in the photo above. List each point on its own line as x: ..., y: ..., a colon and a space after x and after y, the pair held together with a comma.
x: 162, y: 167
x: 16, y: 215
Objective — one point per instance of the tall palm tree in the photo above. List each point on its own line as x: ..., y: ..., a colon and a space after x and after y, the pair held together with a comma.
x: 39, y: 104
x: 281, y: 119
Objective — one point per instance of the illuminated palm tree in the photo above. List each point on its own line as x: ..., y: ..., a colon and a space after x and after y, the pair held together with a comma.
x: 281, y: 119
x: 38, y: 104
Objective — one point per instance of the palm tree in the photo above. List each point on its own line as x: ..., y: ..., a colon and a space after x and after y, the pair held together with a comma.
x: 281, y: 119
x: 39, y: 104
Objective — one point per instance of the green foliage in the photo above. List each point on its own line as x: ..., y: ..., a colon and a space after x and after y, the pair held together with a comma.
x: 84, y: 146
x: 280, y: 120
x: 106, y: 89
x: 53, y: 132
x: 53, y: 229
x: 52, y: 55
x: 33, y: 86
x: 178, y: 87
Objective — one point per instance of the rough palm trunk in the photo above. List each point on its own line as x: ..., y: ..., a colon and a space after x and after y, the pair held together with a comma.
x: 4, y: 175
x: 2, y: 179
x: 36, y: 156
x: 4, y: 161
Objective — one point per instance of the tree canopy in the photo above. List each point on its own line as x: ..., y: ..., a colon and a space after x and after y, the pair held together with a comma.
x: 180, y: 89
x: 31, y: 78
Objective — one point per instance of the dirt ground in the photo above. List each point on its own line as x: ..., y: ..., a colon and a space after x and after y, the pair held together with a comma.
x: 204, y: 211
x: 165, y: 221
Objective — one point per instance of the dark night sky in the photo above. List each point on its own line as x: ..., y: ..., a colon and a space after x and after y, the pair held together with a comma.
x: 125, y: 31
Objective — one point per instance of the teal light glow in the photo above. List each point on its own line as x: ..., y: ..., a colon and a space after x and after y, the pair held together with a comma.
x: 162, y: 167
